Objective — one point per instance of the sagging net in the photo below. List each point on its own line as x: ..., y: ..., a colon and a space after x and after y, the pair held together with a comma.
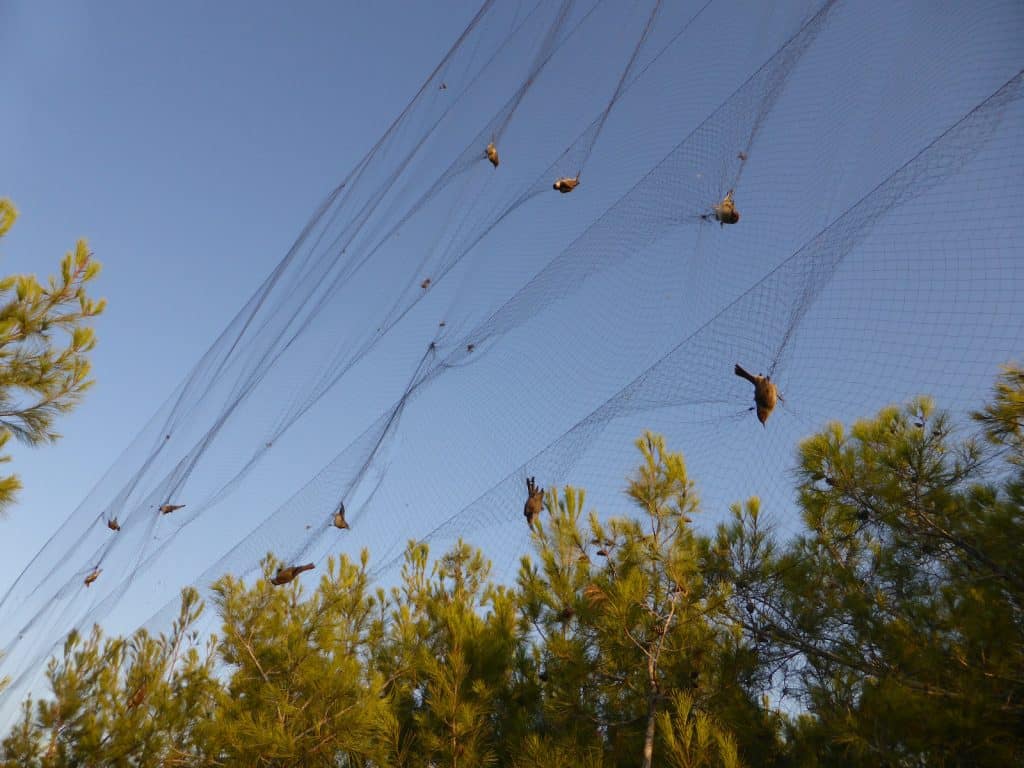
x: 448, y: 324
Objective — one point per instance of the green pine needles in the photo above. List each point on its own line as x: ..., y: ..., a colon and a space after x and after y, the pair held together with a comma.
x: 889, y: 631
x: 45, y: 343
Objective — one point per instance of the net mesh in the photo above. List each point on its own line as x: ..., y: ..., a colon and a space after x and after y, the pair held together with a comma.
x: 443, y: 328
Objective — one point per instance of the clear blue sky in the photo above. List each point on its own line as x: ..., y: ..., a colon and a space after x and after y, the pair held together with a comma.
x: 191, y: 143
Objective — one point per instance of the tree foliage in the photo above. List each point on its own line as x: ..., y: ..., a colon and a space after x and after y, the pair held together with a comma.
x: 45, y: 342
x: 888, y: 632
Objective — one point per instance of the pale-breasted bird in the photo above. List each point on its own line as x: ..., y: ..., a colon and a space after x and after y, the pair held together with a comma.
x: 567, y: 184
x: 339, y: 517
x: 765, y: 393
x: 534, y: 502
x: 492, y: 154
x: 284, y: 575
x: 725, y: 212
x: 166, y: 509
x: 92, y: 576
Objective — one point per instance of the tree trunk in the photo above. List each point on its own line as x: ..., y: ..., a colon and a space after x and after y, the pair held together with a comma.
x: 649, y: 736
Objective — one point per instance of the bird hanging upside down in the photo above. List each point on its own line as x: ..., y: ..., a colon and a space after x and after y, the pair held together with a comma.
x: 166, y: 509
x: 492, y: 154
x: 113, y: 525
x: 765, y: 393
x: 92, y: 576
x: 339, y: 518
x: 567, y: 184
x: 284, y: 575
x: 725, y: 212
x: 534, y: 502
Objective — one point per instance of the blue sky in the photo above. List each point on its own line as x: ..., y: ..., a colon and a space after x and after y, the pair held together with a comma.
x: 191, y: 144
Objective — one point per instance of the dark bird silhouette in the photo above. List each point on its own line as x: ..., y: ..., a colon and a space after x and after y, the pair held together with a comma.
x: 425, y: 284
x: 92, y: 576
x: 765, y: 393
x: 492, y: 154
x: 284, y: 575
x: 443, y: 87
x: 113, y: 525
x: 339, y: 517
x: 725, y: 212
x: 534, y: 501
x: 567, y: 184
x: 166, y: 509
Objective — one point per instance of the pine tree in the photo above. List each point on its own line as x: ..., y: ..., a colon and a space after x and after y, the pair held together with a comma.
x: 40, y: 376
x: 893, y: 623
x: 300, y: 690
x: 452, y: 650
x: 626, y: 620
x: 898, y: 613
x: 120, y: 702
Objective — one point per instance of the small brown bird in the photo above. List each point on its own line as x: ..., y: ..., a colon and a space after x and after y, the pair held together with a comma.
x: 765, y: 393
x: 534, y: 502
x: 470, y: 347
x: 443, y: 87
x: 113, y: 525
x: 166, y: 509
x: 492, y: 154
x: 725, y: 212
x: 741, y: 156
x: 137, y: 697
x: 425, y: 284
x: 92, y: 576
x: 567, y: 184
x: 284, y: 575
x: 339, y: 517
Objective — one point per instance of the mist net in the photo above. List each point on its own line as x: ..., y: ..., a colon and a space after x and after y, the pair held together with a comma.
x: 447, y: 323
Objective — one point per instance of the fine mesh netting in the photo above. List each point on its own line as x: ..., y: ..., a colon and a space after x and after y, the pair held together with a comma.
x: 446, y: 326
